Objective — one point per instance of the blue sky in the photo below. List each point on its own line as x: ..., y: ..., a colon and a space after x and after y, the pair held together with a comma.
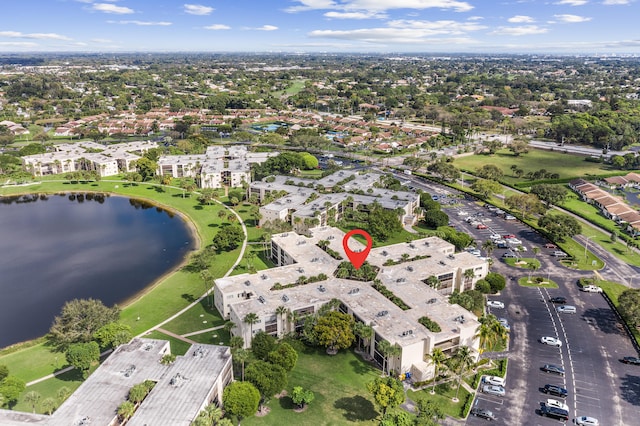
x: 473, y: 26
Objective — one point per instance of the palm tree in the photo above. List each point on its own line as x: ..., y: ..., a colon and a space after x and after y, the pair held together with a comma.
x: 469, y: 275
x: 32, y: 398
x: 282, y: 311
x: 433, y: 282
x: 251, y: 318
x: 394, y: 351
x: 486, y: 331
x: 241, y: 356
x: 437, y: 357
x: 465, y: 360
x: 489, y: 246
x: 48, y: 405
x: 236, y: 342
x: 63, y: 393
x: 384, y: 347
x: 363, y: 331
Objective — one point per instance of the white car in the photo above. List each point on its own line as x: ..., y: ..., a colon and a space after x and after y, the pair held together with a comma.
x: 495, y: 304
x: 494, y: 380
x: 566, y: 309
x: 558, y: 404
x: 586, y: 420
x: 551, y: 341
x: 591, y: 289
x: 495, y: 237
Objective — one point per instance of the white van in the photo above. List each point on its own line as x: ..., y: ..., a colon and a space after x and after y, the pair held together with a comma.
x: 566, y: 309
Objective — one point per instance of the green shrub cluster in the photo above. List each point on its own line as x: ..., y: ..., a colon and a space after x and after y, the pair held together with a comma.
x: 430, y: 324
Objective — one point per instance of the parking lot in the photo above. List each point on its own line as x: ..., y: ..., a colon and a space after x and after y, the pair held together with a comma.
x: 593, y: 340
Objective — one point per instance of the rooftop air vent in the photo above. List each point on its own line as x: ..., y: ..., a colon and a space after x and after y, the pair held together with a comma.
x: 382, y: 313
x: 354, y: 291
x: 285, y: 298
x: 261, y: 299
x: 442, y: 262
x: 410, y: 268
x: 321, y: 289
x: 433, y: 300
x: 247, y: 283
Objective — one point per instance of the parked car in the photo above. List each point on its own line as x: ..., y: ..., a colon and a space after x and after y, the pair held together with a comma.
x: 494, y: 390
x: 559, y: 254
x: 550, y: 246
x: 514, y: 241
x: 552, y: 368
x: 495, y: 237
x: 555, y: 390
x: 631, y: 360
x: 502, y: 244
x: 555, y: 403
x: 586, y: 420
x: 481, y: 226
x: 509, y: 254
x: 591, y: 288
x: 551, y: 341
x: 503, y: 322
x: 509, y: 217
x: 483, y: 412
x: 495, y: 304
x: 566, y: 309
x: 554, y: 412
x: 494, y: 380
x: 507, y: 236
x: 559, y: 300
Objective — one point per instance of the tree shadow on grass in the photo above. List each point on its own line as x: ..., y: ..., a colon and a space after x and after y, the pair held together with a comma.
x: 188, y: 297
x: 359, y: 367
x: 630, y: 389
x: 286, y: 403
x: 214, y: 225
x: 356, y: 408
x: 158, y: 189
x: 198, y: 207
x: 74, y: 375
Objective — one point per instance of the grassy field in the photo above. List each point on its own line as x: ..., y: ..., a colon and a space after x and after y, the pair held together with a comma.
x: 339, y: 385
x: 566, y: 165
x: 443, y: 398
x: 614, y: 290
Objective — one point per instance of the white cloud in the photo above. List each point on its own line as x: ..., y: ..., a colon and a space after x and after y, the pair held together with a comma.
x: 198, y: 9
x: 142, y: 23
x: 101, y: 40
x: 355, y: 15
x: 519, y: 19
x: 379, y: 5
x: 417, y: 34
x: 18, y: 44
x: 520, y: 31
x: 475, y: 18
x: 571, y: 18
x: 573, y: 2
x: 112, y: 8
x: 39, y: 36
x: 615, y: 2
x: 266, y: 28
x: 437, y: 27
x: 216, y: 27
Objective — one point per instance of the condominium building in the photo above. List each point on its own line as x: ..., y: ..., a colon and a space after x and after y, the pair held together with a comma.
x: 107, y: 160
x: 220, y: 166
x: 305, y: 207
x: 279, y: 296
x: 182, y: 389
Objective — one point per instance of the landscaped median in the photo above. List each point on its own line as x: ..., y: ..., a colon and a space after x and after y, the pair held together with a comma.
x: 162, y: 299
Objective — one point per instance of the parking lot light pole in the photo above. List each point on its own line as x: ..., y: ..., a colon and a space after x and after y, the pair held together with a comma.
x: 586, y: 246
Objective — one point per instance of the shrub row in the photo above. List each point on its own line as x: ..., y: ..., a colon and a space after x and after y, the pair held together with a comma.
x: 390, y: 262
x: 430, y: 324
x: 312, y: 279
x: 389, y: 295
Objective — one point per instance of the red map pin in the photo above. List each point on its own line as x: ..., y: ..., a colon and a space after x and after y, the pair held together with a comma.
x: 357, y: 258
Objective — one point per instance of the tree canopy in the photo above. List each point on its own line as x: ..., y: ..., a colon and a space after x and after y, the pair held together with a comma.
x: 335, y: 330
x: 560, y: 226
x: 284, y: 355
x: 241, y: 399
x: 228, y: 238
x: 387, y: 392
x: 83, y: 355
x: 79, y: 320
x: 629, y: 306
x: 268, y: 378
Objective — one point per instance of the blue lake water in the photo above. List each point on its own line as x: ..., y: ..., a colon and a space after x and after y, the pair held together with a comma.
x: 56, y: 248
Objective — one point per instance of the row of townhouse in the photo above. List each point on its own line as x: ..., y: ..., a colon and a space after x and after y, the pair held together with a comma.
x: 612, y: 207
x: 107, y: 160
x: 305, y: 205
x: 280, y: 308
x: 218, y: 167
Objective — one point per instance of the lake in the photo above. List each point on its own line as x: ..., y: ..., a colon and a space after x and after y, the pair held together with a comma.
x: 55, y: 248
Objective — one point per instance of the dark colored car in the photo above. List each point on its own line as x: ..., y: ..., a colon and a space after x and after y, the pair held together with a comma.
x: 631, y: 360
x: 484, y: 413
x: 555, y: 390
x: 555, y: 369
x: 554, y: 412
x: 559, y: 299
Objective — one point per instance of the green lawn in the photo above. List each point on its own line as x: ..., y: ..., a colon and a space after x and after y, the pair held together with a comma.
x: 566, y: 165
x: 614, y: 290
x: 178, y: 347
x: 338, y: 383
x: 199, y: 317
x: 443, y: 397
